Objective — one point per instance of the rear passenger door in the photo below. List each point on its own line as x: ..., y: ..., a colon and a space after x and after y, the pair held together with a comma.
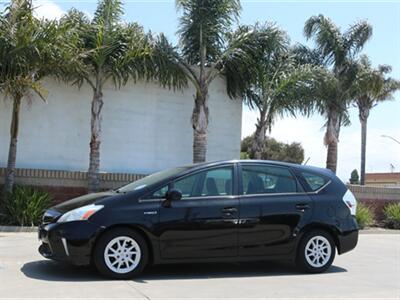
x: 272, y: 206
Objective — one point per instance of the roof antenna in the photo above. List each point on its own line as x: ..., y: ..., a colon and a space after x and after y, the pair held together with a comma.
x: 307, y: 161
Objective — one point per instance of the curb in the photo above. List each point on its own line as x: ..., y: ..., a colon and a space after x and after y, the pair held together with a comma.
x: 379, y: 231
x: 18, y: 229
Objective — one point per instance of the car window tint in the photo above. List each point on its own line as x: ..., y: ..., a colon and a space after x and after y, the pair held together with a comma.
x: 215, y: 182
x: 258, y: 179
x: 158, y: 194
x: 314, y: 181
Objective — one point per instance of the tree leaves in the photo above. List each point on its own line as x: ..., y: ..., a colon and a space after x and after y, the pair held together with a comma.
x: 278, y: 84
x: 205, y: 23
x: 28, y: 51
x: 107, y: 48
x: 372, y: 84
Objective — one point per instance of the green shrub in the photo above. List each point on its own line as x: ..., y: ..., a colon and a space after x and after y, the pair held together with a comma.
x: 364, y: 215
x: 25, y: 206
x: 392, y: 215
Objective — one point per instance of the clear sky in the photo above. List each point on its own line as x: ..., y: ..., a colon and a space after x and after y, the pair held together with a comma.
x: 383, y: 48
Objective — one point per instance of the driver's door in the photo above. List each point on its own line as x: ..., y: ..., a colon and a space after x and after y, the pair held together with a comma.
x: 203, y: 224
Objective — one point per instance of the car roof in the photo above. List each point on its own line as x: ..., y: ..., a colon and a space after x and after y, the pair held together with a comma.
x: 306, y: 168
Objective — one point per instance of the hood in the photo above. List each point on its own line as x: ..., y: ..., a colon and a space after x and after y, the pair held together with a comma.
x: 82, y: 201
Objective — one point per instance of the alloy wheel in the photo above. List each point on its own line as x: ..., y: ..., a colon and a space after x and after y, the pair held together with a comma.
x: 318, y: 251
x: 122, y: 254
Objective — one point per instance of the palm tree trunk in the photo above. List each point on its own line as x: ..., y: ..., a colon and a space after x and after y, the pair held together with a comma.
x: 12, y: 152
x: 95, y: 140
x: 332, y: 155
x: 363, y: 116
x: 332, y: 139
x: 200, y: 125
x: 200, y: 111
x: 259, y: 137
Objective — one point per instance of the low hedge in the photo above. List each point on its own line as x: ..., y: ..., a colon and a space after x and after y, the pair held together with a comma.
x: 392, y: 215
x: 25, y: 206
x: 364, y: 215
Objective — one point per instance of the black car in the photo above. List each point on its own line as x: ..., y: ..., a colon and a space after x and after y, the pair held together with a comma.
x: 238, y: 210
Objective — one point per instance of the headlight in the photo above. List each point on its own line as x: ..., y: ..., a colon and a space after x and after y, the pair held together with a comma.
x: 81, y: 213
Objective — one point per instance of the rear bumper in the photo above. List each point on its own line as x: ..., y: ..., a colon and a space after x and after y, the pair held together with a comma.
x: 348, y: 237
x: 70, y: 242
x: 347, y: 241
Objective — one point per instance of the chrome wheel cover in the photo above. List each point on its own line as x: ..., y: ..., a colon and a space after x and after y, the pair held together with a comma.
x: 318, y: 251
x: 122, y: 255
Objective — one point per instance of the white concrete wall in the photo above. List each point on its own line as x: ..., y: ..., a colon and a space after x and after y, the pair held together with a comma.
x: 145, y: 128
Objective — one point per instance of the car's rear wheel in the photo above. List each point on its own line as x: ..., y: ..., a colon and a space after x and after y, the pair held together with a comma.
x: 121, y: 253
x: 316, y: 252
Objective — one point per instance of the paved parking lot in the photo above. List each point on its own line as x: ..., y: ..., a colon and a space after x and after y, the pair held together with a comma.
x: 371, y: 271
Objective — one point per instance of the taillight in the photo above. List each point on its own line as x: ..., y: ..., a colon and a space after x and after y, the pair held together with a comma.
x: 350, y: 201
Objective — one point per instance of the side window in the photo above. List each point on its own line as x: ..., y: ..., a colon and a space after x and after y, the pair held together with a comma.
x: 158, y: 194
x: 187, y: 185
x: 214, y: 182
x: 314, y: 181
x: 257, y: 179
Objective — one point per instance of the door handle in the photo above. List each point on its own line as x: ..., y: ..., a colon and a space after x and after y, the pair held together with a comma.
x: 229, y: 210
x: 302, y: 206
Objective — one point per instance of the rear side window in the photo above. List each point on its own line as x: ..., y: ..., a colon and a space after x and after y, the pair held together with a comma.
x: 257, y: 179
x: 314, y: 181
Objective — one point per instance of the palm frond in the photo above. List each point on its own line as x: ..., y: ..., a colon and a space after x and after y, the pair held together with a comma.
x: 372, y: 84
x: 304, y: 55
x: 108, y: 13
x: 203, y: 26
x: 356, y: 37
x: 328, y: 38
x: 247, y: 47
x: 28, y: 50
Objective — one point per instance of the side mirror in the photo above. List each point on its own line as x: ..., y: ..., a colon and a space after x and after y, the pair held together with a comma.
x: 171, y: 195
x: 174, y: 195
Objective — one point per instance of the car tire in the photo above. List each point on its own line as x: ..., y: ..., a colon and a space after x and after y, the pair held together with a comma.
x: 120, y: 253
x: 316, y: 252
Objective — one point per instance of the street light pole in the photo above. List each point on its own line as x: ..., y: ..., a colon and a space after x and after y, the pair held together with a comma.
x: 389, y: 137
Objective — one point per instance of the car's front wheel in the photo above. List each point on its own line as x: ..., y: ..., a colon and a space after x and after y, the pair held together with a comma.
x: 316, y: 251
x: 121, y: 253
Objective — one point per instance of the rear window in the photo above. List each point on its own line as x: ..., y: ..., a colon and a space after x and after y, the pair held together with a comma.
x: 314, y: 181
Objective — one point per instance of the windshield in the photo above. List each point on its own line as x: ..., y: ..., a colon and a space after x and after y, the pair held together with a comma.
x: 151, y: 179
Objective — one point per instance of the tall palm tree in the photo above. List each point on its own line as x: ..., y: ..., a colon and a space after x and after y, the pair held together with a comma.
x: 280, y: 85
x: 109, y: 49
x: 338, y: 51
x: 28, y: 52
x: 371, y: 87
x: 209, y: 50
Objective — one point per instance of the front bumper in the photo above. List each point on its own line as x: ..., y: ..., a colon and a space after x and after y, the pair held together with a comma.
x: 70, y: 242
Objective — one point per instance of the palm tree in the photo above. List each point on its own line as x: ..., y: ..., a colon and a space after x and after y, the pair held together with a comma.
x: 209, y: 50
x: 338, y: 50
x: 28, y: 53
x: 109, y: 49
x: 370, y: 88
x: 280, y: 85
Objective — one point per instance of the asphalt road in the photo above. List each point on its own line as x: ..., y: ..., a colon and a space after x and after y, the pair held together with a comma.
x: 372, y: 270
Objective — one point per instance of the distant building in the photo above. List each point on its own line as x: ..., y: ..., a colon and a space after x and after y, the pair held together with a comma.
x: 383, y: 179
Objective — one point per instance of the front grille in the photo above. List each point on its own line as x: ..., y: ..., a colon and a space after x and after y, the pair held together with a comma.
x: 50, y: 216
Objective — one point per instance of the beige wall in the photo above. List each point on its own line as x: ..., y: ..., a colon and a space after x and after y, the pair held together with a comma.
x: 145, y: 128
x: 375, y: 193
